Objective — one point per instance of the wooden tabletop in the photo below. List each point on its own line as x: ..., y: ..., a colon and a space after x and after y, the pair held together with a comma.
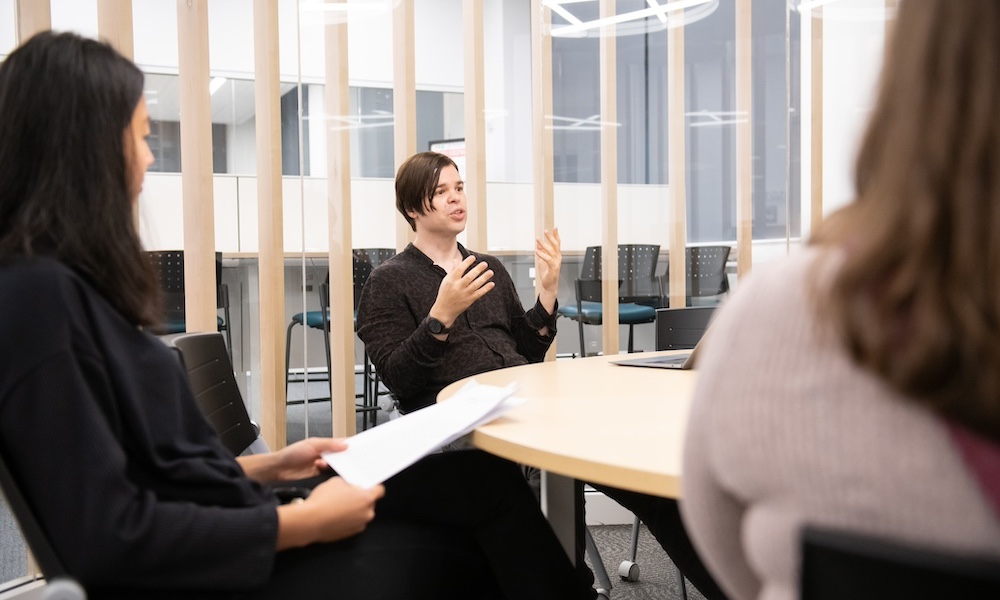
x: 588, y: 419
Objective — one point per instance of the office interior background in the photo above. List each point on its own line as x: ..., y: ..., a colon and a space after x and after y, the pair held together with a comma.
x: 675, y: 123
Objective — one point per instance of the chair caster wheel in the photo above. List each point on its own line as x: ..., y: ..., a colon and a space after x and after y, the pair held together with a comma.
x: 603, y: 594
x: 628, y: 571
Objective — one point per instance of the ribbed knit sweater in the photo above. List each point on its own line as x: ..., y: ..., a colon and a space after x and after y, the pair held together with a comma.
x: 785, y: 430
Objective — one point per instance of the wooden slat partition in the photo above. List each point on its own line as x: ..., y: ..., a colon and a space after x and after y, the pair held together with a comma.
x: 114, y: 24
x: 609, y: 179
x: 541, y: 130
x: 32, y: 16
x: 816, y: 125
x: 338, y: 149
x: 676, y: 107
x: 271, y: 266
x: 475, y: 124
x: 404, y: 99
x: 196, y: 167
x: 890, y: 18
x: 744, y: 137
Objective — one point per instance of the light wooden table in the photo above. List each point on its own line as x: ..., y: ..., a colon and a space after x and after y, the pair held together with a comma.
x: 591, y: 420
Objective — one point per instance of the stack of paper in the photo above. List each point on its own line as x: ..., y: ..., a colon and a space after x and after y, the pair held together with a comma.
x: 377, y: 454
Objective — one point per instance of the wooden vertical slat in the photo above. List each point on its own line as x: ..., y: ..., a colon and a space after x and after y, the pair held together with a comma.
x: 744, y: 137
x: 541, y: 130
x: 270, y: 222
x: 816, y: 125
x: 32, y: 16
x: 196, y: 167
x: 475, y: 124
x: 609, y: 179
x: 404, y: 98
x: 114, y: 24
x: 676, y: 107
x: 338, y: 149
x: 890, y: 16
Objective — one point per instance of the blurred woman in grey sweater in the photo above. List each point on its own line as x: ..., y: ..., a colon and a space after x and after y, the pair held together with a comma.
x: 856, y: 384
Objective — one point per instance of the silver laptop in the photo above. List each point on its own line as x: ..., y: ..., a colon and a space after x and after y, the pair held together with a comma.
x: 683, y: 361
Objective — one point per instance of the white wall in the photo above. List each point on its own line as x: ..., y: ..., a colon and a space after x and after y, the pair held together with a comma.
x: 643, y: 210
x: 852, y: 61
x: 7, y: 19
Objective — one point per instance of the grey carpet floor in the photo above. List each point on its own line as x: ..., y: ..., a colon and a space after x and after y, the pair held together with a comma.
x: 658, y: 578
x: 13, y: 554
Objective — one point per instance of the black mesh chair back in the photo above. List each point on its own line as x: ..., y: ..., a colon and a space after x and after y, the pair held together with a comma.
x: 365, y: 261
x: 706, y: 270
x: 636, y: 271
x: 681, y: 328
x: 210, y: 373
x: 706, y: 273
x: 838, y: 565
x: 169, y: 265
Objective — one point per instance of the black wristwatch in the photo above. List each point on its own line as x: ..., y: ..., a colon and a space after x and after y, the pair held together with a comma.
x: 437, y: 327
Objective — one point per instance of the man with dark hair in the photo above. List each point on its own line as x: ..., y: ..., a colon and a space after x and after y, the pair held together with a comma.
x: 432, y: 315
x: 436, y: 313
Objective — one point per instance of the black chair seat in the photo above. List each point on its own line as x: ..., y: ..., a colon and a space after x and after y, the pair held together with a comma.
x: 840, y: 564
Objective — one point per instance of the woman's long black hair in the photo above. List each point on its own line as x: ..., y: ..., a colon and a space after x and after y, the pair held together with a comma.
x: 66, y: 105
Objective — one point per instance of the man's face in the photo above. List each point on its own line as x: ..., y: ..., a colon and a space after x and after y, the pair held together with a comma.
x: 444, y: 212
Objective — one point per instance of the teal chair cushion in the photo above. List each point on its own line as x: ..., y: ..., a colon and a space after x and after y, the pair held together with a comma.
x: 181, y: 326
x: 313, y: 318
x: 593, y: 313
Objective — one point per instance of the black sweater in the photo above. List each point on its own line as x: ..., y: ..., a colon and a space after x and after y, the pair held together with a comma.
x: 99, y: 427
x: 493, y: 333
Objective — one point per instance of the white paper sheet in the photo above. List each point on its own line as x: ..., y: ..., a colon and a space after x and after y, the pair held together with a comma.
x: 377, y: 454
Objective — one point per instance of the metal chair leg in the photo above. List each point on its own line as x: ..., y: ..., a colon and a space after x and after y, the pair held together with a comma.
x: 680, y: 578
x: 288, y: 354
x: 603, y: 581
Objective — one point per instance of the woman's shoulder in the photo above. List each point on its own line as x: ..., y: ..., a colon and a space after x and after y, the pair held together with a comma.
x: 42, y: 301
x: 788, y: 282
x: 30, y: 281
x: 772, y: 310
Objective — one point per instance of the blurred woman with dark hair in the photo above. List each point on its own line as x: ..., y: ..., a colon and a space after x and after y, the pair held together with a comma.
x: 856, y: 385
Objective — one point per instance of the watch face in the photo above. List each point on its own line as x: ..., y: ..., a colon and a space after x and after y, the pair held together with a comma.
x: 436, y: 327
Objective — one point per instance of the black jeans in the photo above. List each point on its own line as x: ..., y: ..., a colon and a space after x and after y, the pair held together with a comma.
x: 454, y: 525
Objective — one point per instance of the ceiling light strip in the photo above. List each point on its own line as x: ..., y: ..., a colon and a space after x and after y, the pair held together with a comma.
x: 562, y: 12
x: 659, y: 12
x: 626, y: 17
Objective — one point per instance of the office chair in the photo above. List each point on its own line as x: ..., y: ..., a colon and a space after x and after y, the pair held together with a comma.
x: 365, y: 261
x: 706, y: 274
x: 681, y: 328
x: 170, y: 268
x: 210, y: 373
x: 638, y: 293
x: 840, y: 564
x: 60, y: 585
